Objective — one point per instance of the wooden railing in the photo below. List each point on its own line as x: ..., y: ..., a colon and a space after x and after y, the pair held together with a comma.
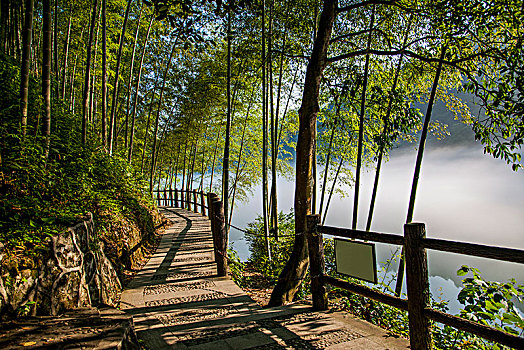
x: 194, y: 200
x: 417, y: 305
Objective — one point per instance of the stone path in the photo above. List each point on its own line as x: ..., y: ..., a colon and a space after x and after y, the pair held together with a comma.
x: 83, y: 328
x: 178, y: 302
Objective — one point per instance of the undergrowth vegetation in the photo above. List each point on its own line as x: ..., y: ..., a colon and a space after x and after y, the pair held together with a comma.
x: 42, y: 194
x: 488, y: 302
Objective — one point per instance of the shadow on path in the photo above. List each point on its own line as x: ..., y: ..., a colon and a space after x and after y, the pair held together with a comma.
x: 178, y: 302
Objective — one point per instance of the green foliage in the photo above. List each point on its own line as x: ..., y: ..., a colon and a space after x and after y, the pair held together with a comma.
x: 40, y: 196
x: 487, y: 302
x: 491, y: 303
x: 236, y: 267
x: 281, y: 249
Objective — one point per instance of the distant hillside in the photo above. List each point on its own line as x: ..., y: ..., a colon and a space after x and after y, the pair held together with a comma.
x: 461, y: 134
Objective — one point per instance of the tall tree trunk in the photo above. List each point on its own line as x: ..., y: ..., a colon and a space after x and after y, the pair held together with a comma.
x: 4, y: 24
x: 213, y: 165
x: 158, y: 113
x: 130, y: 79
x: 202, y: 170
x: 361, y: 125
x: 203, y: 158
x: 275, y: 148
x: 104, y: 74
x: 264, y: 135
x: 332, y: 189
x: 287, y: 103
x: 46, y: 72
x: 73, y: 75
x: 114, y: 100
x: 273, y: 134
x: 418, y: 164
x: 385, y: 130
x: 35, y: 52
x: 225, y: 164
x: 237, y: 171
x: 148, y: 123
x: 293, y: 273
x: 87, y: 74
x: 137, y: 86
x: 314, y: 170
x: 184, y: 168
x: 72, y: 84
x: 92, y: 94
x: 26, y: 52
x: 175, y: 172
x: 191, y: 168
x: 328, y: 158
x: 18, y: 30
x: 55, y: 49
x: 66, y: 55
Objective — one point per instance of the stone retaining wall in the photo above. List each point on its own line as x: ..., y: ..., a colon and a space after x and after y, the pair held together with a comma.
x: 76, y: 273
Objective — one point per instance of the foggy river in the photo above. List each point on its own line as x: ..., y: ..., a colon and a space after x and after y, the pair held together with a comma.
x: 463, y: 195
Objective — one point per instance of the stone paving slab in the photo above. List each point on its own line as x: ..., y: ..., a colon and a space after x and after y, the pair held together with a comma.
x: 83, y: 328
x: 178, y: 302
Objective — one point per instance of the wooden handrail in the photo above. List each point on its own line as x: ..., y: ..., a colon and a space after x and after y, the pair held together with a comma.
x: 363, y: 235
x: 479, y: 250
x: 481, y: 330
x: 392, y: 300
x: 215, y: 213
x: 415, y: 244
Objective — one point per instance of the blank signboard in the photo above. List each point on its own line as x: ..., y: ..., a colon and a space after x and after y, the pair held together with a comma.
x: 356, y: 259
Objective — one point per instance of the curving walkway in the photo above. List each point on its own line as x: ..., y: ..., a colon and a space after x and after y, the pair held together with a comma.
x: 178, y: 302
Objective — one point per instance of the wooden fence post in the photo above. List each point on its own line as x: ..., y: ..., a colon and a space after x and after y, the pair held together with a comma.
x: 158, y: 197
x: 188, y: 197
x: 210, y: 207
x: 165, y: 197
x: 176, y: 198
x: 417, y: 286
x: 316, y: 263
x: 211, y: 197
x: 171, y: 201
x: 220, y: 241
x: 195, y: 208
x: 202, y: 206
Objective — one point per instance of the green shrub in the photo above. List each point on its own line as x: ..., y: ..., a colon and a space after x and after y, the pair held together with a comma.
x: 280, y: 249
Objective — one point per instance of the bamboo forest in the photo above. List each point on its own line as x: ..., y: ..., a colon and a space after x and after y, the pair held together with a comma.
x: 261, y: 174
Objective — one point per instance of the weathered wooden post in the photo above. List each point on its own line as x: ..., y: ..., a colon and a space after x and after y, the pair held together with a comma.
x: 210, y: 207
x: 158, y: 197
x: 195, y: 204
x: 176, y: 198
x: 188, y: 197
x: 316, y: 263
x: 417, y: 286
x: 210, y: 198
x: 165, y: 197
x: 202, y: 204
x: 171, y: 201
x: 221, y: 237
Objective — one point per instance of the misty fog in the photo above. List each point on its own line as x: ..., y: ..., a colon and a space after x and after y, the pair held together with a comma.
x: 463, y: 195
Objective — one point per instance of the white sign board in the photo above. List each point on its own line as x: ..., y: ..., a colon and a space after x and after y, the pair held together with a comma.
x: 356, y: 259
